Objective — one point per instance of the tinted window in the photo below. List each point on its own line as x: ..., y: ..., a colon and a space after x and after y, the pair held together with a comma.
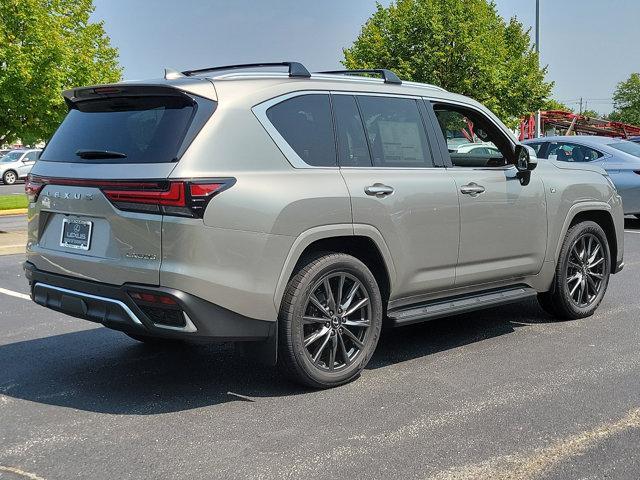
x: 395, y: 132
x: 352, y: 142
x: 31, y: 157
x: 537, y: 147
x: 627, y: 147
x: 571, y: 152
x: 456, y: 122
x: 145, y: 129
x: 305, y: 123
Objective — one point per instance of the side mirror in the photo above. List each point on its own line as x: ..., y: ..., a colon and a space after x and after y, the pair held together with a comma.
x: 526, y: 159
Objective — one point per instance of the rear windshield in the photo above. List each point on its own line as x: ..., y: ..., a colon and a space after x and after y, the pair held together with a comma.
x: 627, y: 147
x: 130, y: 129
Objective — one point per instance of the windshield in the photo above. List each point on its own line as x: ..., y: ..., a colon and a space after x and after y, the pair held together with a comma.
x: 11, y: 157
x: 627, y: 147
x: 122, y: 130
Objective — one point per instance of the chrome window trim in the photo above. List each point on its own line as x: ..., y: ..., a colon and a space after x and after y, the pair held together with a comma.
x: 260, y: 112
x: 95, y: 297
x: 508, y: 133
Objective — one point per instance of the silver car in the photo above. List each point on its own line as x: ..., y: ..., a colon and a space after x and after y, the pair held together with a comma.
x: 297, y: 212
x: 16, y: 164
x: 619, y: 158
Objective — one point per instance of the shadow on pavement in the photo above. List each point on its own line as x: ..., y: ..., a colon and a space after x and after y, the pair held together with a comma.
x: 631, y: 223
x: 103, y: 371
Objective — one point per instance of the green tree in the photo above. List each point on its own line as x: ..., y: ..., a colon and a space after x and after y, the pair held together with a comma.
x: 591, y: 114
x: 461, y: 45
x: 626, y: 101
x: 47, y: 46
x: 552, y: 104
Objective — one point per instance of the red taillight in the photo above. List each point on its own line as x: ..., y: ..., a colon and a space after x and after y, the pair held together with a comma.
x: 32, y: 188
x: 169, y: 197
x: 173, y: 195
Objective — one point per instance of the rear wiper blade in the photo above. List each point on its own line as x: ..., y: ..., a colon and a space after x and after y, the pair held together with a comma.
x: 89, y: 154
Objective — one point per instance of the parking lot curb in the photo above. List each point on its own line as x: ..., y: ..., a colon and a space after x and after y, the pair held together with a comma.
x: 13, y: 211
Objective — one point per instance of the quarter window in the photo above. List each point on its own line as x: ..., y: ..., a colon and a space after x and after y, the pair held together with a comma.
x: 395, y: 132
x: 305, y: 123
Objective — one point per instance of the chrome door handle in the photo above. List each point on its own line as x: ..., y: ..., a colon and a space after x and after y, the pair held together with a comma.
x: 472, y: 189
x: 378, y: 189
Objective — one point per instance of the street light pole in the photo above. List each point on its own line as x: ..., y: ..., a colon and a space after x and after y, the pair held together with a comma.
x: 538, y: 133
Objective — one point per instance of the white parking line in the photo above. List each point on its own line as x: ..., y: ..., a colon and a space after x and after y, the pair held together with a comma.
x: 632, y: 231
x: 15, y: 294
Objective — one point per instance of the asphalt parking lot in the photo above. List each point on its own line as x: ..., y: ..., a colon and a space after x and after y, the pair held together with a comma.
x: 500, y: 394
x: 16, y: 188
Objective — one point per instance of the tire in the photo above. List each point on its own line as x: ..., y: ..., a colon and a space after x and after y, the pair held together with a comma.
x: 10, y: 177
x: 573, y: 274
x: 338, y: 346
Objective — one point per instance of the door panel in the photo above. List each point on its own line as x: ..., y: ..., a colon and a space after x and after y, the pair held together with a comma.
x: 419, y: 222
x: 503, y: 230
x: 503, y: 224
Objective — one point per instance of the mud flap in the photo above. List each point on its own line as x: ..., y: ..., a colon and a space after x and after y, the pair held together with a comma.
x: 264, y: 352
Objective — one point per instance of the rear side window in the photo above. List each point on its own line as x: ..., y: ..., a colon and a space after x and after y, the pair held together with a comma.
x: 352, y: 141
x: 305, y: 123
x: 627, y: 147
x: 148, y: 129
x: 571, y: 152
x: 395, y: 132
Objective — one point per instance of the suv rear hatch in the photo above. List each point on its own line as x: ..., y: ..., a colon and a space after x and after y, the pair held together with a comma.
x: 101, y: 187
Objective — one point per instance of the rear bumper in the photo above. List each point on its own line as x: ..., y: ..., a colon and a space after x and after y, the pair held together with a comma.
x: 112, y: 306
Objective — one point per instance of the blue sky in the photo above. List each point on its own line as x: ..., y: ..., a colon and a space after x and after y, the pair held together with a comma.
x: 589, y: 45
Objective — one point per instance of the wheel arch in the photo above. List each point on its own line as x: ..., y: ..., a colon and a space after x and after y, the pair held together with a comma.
x: 364, y: 242
x: 599, y: 213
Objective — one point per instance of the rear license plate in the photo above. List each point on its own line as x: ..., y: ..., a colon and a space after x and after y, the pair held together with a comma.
x: 75, y: 234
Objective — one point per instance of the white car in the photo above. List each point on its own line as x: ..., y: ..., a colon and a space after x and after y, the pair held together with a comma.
x: 487, y: 148
x: 17, y: 164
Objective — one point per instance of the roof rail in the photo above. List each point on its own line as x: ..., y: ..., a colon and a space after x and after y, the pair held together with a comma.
x: 295, y: 69
x: 387, y: 75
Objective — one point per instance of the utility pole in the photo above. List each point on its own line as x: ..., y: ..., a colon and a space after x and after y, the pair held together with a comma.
x: 580, y: 105
x: 538, y: 133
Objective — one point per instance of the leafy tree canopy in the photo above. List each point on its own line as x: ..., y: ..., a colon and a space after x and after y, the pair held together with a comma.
x: 626, y: 101
x: 591, y: 114
x: 461, y: 45
x: 552, y: 104
x: 47, y: 46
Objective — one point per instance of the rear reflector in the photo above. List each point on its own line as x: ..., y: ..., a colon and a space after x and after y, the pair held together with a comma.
x: 186, y: 198
x: 152, y: 298
x: 32, y: 188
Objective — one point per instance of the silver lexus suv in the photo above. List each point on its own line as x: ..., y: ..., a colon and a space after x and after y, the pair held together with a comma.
x: 296, y: 213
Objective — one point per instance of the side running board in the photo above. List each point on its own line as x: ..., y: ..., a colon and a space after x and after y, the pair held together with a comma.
x: 460, y: 304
